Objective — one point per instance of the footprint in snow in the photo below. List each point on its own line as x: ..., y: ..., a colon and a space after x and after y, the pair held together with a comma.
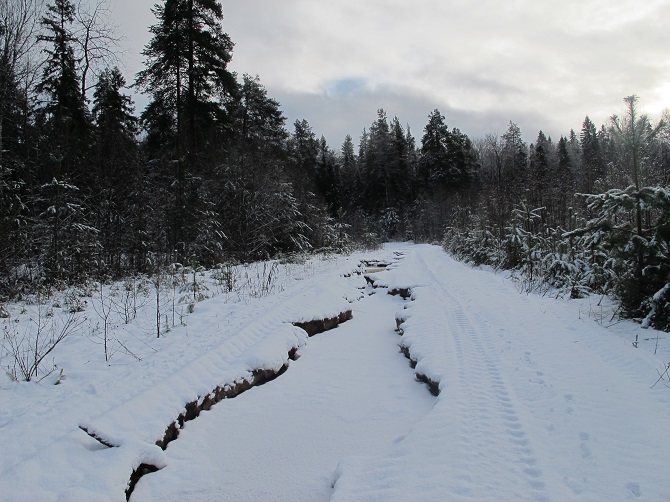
x: 586, y: 451
x: 634, y: 488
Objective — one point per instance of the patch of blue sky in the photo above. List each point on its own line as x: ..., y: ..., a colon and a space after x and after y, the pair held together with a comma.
x: 344, y: 86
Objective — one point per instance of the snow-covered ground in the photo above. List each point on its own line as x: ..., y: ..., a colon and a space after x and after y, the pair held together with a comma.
x: 540, y: 399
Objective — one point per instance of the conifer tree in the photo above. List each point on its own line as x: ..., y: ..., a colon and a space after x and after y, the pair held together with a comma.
x: 593, y: 167
x: 304, y: 149
x: 564, y: 182
x: 67, y: 237
x: 350, y: 175
x: 514, y: 165
x: 375, y: 164
x: 399, y: 172
x: 328, y: 178
x: 264, y: 212
x: 116, y: 160
x: 190, y: 85
x: 447, y: 160
x: 64, y: 115
x: 634, y: 133
x: 539, y: 170
x: 187, y: 69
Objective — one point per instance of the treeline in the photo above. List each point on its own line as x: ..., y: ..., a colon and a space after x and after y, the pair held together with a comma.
x: 208, y: 172
x: 587, y: 214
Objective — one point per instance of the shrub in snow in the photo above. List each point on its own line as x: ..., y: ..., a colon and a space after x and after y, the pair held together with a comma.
x: 632, y: 228
x: 659, y: 310
x: 371, y: 241
x: 226, y: 276
x: 29, y: 345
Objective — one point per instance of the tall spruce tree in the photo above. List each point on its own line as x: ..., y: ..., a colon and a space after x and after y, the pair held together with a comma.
x: 375, y: 164
x: 264, y: 214
x: 328, y: 178
x: 593, y: 166
x: 540, y: 170
x: 399, y: 172
x: 634, y: 133
x: 514, y: 164
x: 188, y: 79
x: 447, y: 160
x: 350, y: 175
x: 563, y: 185
x: 116, y: 160
x: 64, y: 116
x: 187, y: 69
x: 304, y: 148
x: 64, y: 231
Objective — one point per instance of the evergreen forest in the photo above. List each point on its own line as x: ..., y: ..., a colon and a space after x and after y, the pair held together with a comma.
x: 209, y: 172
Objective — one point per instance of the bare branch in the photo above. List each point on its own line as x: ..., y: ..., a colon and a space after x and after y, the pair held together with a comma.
x: 19, y: 25
x: 96, y: 40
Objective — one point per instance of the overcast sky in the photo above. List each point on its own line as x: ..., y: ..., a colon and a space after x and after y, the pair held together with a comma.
x: 544, y: 64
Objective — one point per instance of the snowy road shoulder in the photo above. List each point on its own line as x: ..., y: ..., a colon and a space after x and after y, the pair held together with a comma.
x: 142, y: 407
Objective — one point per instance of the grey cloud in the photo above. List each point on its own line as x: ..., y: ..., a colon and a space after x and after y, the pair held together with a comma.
x: 544, y: 65
x: 334, y: 118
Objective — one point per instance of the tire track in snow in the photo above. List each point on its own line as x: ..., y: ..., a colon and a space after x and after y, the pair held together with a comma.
x: 350, y: 392
x: 588, y: 416
x: 489, y: 422
x: 474, y: 444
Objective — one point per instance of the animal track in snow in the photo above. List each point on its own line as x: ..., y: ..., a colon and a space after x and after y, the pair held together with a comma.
x: 586, y: 451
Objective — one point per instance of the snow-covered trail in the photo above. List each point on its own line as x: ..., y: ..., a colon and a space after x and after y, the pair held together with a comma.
x: 535, y: 403
x: 350, y: 393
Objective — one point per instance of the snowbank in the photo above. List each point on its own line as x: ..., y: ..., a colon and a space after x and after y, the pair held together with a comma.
x: 132, y: 409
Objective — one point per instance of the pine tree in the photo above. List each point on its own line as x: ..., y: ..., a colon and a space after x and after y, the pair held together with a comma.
x: 188, y: 79
x: 433, y: 164
x: 634, y: 133
x: 264, y: 212
x: 303, y: 149
x: 564, y: 182
x: 350, y: 175
x: 375, y: 163
x: 540, y: 170
x: 399, y: 171
x: 514, y: 166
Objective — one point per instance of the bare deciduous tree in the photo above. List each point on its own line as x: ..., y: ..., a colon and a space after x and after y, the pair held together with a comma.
x: 96, y: 40
x: 19, y: 24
